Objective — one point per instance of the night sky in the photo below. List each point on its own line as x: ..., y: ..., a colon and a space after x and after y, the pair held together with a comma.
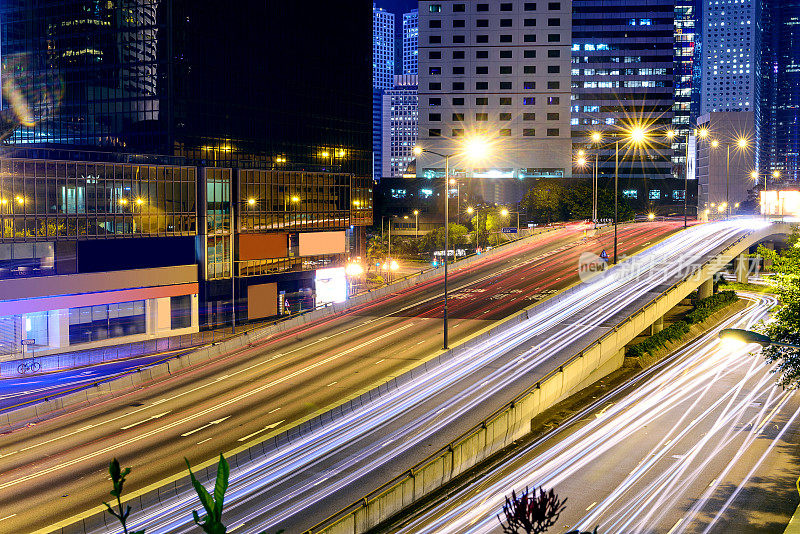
x: 398, y: 7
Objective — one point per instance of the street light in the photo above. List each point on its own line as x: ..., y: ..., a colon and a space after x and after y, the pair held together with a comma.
x: 741, y: 143
x: 596, y: 137
x: 416, y: 224
x: 505, y: 213
x: 476, y: 148
x: 636, y: 136
x: 748, y: 336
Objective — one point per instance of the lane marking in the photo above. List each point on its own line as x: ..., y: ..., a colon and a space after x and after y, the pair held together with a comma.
x: 146, y: 420
x: 207, y: 439
x: 591, y: 506
x: 257, y: 432
x: 215, y: 422
x: 379, y: 361
x: 675, y: 526
x: 275, y: 410
x: 7, y: 517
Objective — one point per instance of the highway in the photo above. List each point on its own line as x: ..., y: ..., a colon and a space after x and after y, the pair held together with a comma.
x: 298, y: 484
x: 263, y: 389
x: 703, y: 442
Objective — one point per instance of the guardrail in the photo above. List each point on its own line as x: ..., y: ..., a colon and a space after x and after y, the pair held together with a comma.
x: 334, y: 522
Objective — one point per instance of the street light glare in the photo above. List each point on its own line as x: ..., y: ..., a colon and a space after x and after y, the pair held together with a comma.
x: 714, y: 143
x: 417, y: 150
x: 776, y: 174
x: 596, y: 137
x: 581, y: 162
x: 670, y: 133
x: 470, y: 210
x: 416, y: 212
x: 251, y: 201
x: 651, y: 216
x: 476, y: 148
x: 638, y: 134
x: 702, y: 133
x: 504, y: 212
x: 754, y: 175
x: 742, y: 142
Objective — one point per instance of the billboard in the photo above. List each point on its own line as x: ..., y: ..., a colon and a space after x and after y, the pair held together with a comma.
x: 318, y: 243
x: 331, y: 285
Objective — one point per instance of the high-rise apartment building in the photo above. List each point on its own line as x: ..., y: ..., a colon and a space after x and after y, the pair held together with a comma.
x: 780, y: 89
x: 410, y: 41
x: 623, y: 75
x: 400, y: 124
x: 498, y: 70
x: 730, y: 56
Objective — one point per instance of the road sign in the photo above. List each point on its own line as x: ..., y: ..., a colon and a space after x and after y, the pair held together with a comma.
x: 604, y: 255
x: 28, y: 342
x: 509, y: 230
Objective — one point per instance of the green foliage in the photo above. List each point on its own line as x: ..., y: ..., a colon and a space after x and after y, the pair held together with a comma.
x: 785, y: 326
x: 212, y: 521
x: 702, y: 311
x: 550, y: 201
x: 434, y: 240
x: 704, y: 308
x: 118, y: 480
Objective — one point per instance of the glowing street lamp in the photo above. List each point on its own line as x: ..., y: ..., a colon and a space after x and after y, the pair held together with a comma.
x: 476, y: 148
x: 748, y: 336
x: 251, y: 201
x: 416, y: 223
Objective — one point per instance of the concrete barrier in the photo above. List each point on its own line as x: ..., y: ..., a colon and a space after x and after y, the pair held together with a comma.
x: 513, y: 420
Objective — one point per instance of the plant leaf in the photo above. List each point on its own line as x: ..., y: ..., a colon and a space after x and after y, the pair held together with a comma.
x: 221, y: 486
x: 202, y: 492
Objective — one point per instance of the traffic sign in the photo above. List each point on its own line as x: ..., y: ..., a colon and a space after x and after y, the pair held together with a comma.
x: 28, y: 342
x: 509, y: 230
x: 604, y: 255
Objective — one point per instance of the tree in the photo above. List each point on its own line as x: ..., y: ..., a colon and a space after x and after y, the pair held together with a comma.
x: 785, y: 326
x: 543, y: 202
x: 434, y: 240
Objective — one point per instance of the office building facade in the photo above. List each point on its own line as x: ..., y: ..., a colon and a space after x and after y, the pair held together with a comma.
x: 683, y: 117
x: 724, y: 171
x: 730, y: 56
x: 410, y: 41
x: 94, y: 253
x: 779, y: 148
x: 498, y: 71
x: 400, y: 123
x: 623, y: 75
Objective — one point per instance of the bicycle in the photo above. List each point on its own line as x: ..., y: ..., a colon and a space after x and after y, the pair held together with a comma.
x: 32, y: 367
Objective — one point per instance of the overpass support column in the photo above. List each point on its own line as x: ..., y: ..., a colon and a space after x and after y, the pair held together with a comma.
x: 657, y: 326
x: 742, y: 268
x: 706, y: 289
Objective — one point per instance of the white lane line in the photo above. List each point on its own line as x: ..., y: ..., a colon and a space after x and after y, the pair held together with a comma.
x: 146, y: 420
x: 332, y: 383
x: 214, y: 422
x: 257, y: 432
x: 275, y: 410
x: 591, y: 506
x: 7, y: 517
x: 207, y: 439
x: 675, y: 526
x: 196, y: 415
x: 381, y: 360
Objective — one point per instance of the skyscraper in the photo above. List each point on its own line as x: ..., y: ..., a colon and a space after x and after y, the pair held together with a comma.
x: 400, y: 124
x: 498, y: 70
x: 780, y: 89
x: 730, y: 56
x: 144, y: 76
x: 383, y: 33
x: 622, y: 75
x: 683, y: 70
x: 410, y: 41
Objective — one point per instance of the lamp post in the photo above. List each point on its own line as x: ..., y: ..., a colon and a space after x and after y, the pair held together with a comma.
x: 476, y: 148
x: 416, y: 224
x: 635, y: 136
x: 596, y: 138
x: 471, y: 210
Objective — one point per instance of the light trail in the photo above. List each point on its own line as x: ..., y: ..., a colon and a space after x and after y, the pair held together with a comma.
x: 294, y: 473
x: 657, y: 486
